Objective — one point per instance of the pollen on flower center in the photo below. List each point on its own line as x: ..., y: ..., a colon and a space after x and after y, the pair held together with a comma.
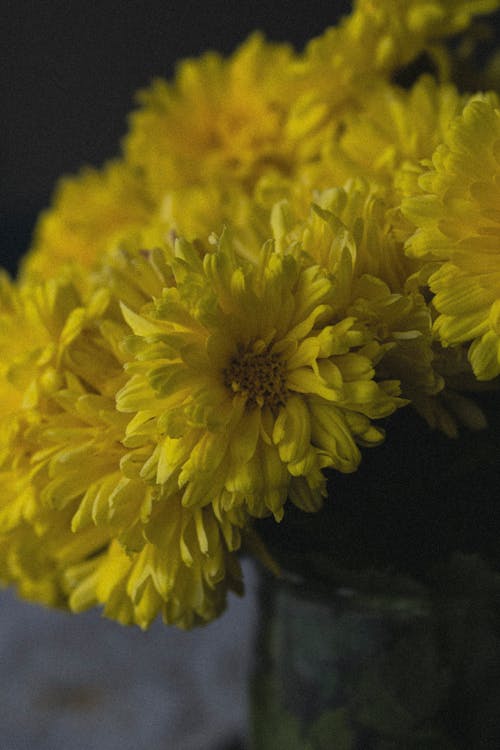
x: 258, y: 375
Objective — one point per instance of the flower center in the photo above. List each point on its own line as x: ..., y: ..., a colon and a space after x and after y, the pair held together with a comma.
x: 260, y: 376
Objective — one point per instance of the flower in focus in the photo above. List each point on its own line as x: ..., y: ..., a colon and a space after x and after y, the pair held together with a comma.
x: 382, y: 291
x: 253, y: 380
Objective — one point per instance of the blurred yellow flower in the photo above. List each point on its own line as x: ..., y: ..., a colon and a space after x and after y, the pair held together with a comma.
x: 386, y: 138
x: 91, y: 212
x: 220, y: 120
x: 383, y: 35
x: 459, y: 231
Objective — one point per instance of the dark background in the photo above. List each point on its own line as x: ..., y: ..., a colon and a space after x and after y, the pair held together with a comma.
x: 70, y: 69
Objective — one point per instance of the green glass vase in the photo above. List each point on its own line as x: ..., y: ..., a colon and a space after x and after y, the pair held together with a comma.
x: 380, y: 663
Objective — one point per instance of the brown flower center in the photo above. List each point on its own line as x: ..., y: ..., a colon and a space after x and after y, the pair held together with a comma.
x: 260, y: 376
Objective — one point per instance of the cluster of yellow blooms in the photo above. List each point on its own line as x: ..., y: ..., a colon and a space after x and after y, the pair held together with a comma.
x: 290, y: 248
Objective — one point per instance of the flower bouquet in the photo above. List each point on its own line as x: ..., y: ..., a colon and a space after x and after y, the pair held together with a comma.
x: 295, y: 256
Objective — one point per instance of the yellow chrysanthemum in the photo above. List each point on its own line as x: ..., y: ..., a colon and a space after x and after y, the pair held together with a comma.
x: 153, y: 402
x: 197, y: 146
x: 221, y: 120
x: 91, y: 212
x: 459, y: 231
x: 185, y: 582
x: 385, y: 140
x: 356, y: 223
x: 365, y: 170
x: 348, y: 232
x: 193, y: 153
x: 57, y: 388
x: 177, y: 559
x: 253, y: 380
x: 39, y: 324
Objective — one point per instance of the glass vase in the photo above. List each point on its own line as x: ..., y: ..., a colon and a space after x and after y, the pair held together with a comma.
x: 379, y: 662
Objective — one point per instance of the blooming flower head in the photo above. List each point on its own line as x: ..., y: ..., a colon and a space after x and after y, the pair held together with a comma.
x: 458, y: 230
x: 221, y: 119
x: 386, y: 138
x: 58, y: 384
x: 194, y: 150
x: 253, y: 380
x: 349, y: 233
x: 39, y: 325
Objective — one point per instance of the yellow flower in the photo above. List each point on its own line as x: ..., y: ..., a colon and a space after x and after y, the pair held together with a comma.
x: 197, y: 146
x: 174, y: 560
x: 458, y: 233
x: 386, y: 138
x: 153, y: 402
x: 91, y: 212
x: 70, y: 488
x: 366, y: 169
x: 220, y: 120
x: 195, y: 149
x: 182, y: 572
x: 253, y: 380
x: 349, y: 234
x: 383, y: 35
x: 39, y: 325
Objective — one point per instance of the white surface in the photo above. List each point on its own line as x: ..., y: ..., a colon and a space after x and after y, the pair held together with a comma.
x: 82, y: 682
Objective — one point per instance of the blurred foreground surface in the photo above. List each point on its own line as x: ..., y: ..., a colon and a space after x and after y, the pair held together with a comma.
x: 84, y: 682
